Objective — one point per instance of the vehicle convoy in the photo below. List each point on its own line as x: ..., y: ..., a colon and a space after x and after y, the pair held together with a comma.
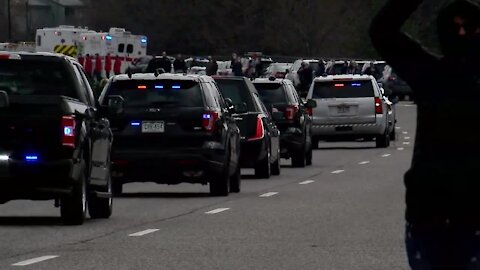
x: 171, y: 129
x: 291, y: 115
x: 54, y: 143
x: 350, y: 107
x: 260, y: 137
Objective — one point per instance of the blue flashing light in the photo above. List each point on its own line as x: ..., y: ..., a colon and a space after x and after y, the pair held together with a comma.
x: 207, y: 116
x: 356, y: 84
x: 31, y: 158
x: 135, y: 124
x: 143, y: 40
x: 68, y: 131
x: 158, y: 86
x: 175, y: 86
x: 108, y: 37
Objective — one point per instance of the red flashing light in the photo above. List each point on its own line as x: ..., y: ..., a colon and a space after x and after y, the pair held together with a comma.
x: 68, y: 131
x: 209, y: 121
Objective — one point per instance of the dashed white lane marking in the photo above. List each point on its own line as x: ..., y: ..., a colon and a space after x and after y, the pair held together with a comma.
x: 406, y: 143
x: 400, y: 149
x: 386, y: 155
x: 142, y: 233
x: 407, y: 138
x: 216, y: 211
x: 306, y: 182
x: 269, y: 194
x: 405, y: 132
x: 35, y: 260
x: 398, y: 127
x: 338, y: 171
x: 364, y: 163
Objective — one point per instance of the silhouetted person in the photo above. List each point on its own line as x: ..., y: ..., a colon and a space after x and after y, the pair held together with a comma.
x: 98, y: 67
x: 165, y: 63
x: 212, y: 67
x: 237, y: 67
x: 443, y: 186
x: 108, y: 65
x: 179, y: 65
x: 117, y: 65
x: 89, y: 66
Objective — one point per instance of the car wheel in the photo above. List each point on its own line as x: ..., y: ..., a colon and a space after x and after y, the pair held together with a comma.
x: 101, y: 207
x: 276, y: 165
x: 263, y: 167
x: 393, y: 134
x: 309, y: 157
x: 236, y: 181
x: 315, y: 142
x: 299, y: 159
x: 220, y: 184
x: 383, y: 141
x: 73, y: 208
x: 117, y: 187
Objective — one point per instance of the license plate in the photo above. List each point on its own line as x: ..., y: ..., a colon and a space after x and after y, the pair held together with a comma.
x: 153, y: 127
x: 343, y: 109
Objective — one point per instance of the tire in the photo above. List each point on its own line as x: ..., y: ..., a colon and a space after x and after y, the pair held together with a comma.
x: 299, y: 159
x: 73, y: 208
x: 276, y: 168
x: 220, y: 184
x: 236, y: 181
x: 383, y: 141
x: 101, y: 207
x: 117, y: 187
x: 393, y: 134
x: 263, y: 168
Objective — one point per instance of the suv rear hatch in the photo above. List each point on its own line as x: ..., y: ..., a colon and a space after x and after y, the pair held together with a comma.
x: 341, y: 102
x: 40, y: 93
x: 238, y: 91
x: 277, y: 98
x: 161, y: 114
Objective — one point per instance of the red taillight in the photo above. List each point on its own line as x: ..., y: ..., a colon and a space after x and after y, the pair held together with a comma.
x: 68, y: 131
x: 378, y: 106
x: 209, y: 120
x: 290, y: 112
x: 392, y: 78
x: 310, y: 111
x: 260, y: 132
x: 279, y: 75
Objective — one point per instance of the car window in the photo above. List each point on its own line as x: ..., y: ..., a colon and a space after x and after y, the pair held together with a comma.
x: 271, y: 93
x: 292, y: 94
x: 161, y: 93
x: 219, y: 102
x: 31, y: 77
x: 237, y: 91
x: 121, y: 48
x: 129, y: 48
x: 260, y: 104
x: 343, y: 89
x: 83, y: 85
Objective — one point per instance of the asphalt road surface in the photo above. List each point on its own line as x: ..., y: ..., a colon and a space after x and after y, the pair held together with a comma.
x: 344, y: 212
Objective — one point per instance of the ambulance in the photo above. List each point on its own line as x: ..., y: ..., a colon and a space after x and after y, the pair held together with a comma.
x: 116, y: 42
x: 63, y: 39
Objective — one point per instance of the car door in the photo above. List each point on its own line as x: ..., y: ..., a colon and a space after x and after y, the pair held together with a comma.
x: 100, y: 134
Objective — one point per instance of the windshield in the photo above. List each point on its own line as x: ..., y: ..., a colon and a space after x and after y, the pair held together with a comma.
x: 271, y: 93
x: 343, y: 89
x: 237, y: 91
x: 159, y: 93
x: 29, y: 77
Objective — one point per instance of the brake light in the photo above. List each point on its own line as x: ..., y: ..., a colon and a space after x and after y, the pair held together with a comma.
x: 310, y: 111
x: 209, y: 120
x: 378, y: 106
x: 68, y: 131
x: 290, y: 112
x: 392, y: 78
x: 260, y: 132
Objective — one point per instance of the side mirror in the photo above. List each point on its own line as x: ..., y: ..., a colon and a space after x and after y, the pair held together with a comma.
x: 4, y: 100
x: 311, y: 104
x: 229, y: 104
x: 116, y: 104
x: 277, y: 116
x: 380, y: 84
x: 241, y: 108
x: 287, y: 71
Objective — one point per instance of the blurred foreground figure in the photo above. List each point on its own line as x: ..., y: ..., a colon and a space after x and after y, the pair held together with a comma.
x: 443, y: 185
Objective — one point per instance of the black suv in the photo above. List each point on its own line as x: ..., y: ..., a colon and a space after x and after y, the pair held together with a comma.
x: 171, y: 129
x: 260, y: 141
x: 54, y: 143
x: 292, y: 116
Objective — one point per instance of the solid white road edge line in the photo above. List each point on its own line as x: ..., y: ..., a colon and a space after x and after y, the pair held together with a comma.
x: 35, y: 260
x: 142, y: 233
x: 306, y: 182
x: 338, y: 171
x: 269, y: 194
x: 216, y: 211
x: 363, y: 162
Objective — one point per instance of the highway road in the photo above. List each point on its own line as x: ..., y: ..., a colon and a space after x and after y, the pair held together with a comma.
x: 344, y: 212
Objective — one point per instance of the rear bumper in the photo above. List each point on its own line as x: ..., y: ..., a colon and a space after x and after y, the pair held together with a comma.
x: 251, y: 152
x: 37, y: 180
x: 353, y: 130
x: 172, y: 166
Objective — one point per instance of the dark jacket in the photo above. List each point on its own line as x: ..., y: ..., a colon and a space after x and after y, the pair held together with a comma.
x: 212, y: 68
x: 237, y: 69
x: 179, y: 64
x: 166, y: 64
x: 443, y: 181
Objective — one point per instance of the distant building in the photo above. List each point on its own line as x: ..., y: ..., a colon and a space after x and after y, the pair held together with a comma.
x: 49, y: 13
